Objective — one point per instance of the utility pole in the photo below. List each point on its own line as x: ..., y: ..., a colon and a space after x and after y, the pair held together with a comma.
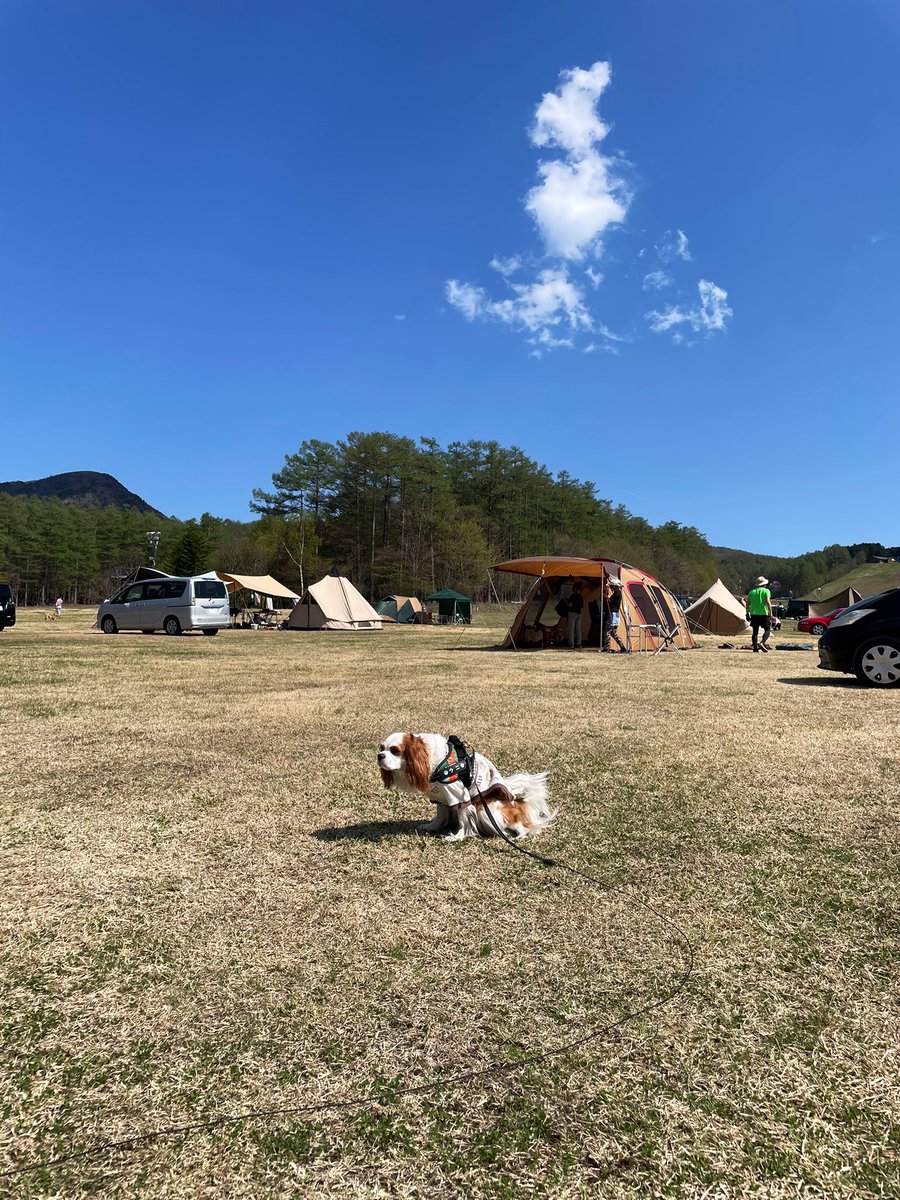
x: 153, y: 539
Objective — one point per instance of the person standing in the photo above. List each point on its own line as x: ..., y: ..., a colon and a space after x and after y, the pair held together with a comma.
x: 573, y: 617
x: 613, y: 605
x: 58, y: 606
x: 759, y: 613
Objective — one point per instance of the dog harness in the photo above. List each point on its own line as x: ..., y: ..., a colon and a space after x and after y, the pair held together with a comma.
x: 459, y: 766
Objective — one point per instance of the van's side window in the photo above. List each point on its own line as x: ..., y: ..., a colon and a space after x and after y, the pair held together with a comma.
x: 154, y: 591
x: 130, y: 595
x: 175, y: 588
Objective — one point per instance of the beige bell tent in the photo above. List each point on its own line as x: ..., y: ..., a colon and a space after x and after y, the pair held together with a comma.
x: 333, y: 603
x: 717, y: 611
x: 651, y: 617
x: 821, y: 608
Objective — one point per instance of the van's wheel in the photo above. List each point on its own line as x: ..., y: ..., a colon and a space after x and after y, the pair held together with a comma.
x: 210, y: 632
x: 877, y: 663
x: 172, y: 626
x: 108, y: 625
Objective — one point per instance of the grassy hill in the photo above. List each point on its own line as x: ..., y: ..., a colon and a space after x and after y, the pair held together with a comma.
x: 868, y: 578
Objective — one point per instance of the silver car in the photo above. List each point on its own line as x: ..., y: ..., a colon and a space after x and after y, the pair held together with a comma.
x: 173, y: 605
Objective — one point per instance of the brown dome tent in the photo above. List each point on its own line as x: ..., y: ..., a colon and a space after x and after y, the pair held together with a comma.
x: 843, y: 599
x: 651, y: 616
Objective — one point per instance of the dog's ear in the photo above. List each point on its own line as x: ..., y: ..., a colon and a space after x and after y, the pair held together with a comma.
x: 387, y: 777
x: 418, y: 763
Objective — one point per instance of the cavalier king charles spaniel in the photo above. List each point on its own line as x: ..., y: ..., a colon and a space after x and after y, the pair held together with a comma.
x: 518, y: 804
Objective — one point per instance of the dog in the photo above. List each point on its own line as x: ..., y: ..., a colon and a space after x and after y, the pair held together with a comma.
x: 519, y: 804
x: 52, y: 616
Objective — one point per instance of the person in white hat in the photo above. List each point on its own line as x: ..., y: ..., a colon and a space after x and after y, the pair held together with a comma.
x: 759, y: 613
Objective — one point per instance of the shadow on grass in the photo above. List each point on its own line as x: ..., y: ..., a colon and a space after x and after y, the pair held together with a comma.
x: 370, y: 831
x: 841, y: 681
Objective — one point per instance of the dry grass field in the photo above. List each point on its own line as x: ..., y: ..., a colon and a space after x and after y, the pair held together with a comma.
x: 211, y: 907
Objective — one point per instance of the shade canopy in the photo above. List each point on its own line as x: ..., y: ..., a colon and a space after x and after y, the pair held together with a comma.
x: 264, y: 585
x: 585, y: 568
x: 843, y: 599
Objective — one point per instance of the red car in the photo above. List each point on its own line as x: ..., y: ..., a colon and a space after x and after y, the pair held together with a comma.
x: 817, y: 625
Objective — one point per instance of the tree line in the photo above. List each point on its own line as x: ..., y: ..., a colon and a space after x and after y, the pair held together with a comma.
x: 395, y: 515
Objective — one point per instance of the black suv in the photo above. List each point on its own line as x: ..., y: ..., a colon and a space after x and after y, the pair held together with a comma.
x: 865, y: 640
x: 7, y: 607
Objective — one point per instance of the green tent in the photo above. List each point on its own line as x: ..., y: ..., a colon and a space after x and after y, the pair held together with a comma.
x: 452, y: 607
x: 404, y: 610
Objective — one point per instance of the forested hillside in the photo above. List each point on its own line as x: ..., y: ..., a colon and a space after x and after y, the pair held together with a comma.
x: 394, y: 514
x: 85, y: 489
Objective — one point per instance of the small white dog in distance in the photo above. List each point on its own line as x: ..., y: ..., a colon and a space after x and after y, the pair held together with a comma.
x: 409, y: 762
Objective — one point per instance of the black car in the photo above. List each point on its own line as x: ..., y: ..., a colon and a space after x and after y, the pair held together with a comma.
x: 864, y: 640
x: 7, y: 607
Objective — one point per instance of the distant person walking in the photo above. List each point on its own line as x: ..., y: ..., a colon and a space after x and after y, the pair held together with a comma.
x: 59, y: 606
x: 613, y: 604
x: 759, y: 613
x: 573, y: 617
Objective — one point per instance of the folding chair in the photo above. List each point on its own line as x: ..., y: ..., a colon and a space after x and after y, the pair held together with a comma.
x: 666, y: 637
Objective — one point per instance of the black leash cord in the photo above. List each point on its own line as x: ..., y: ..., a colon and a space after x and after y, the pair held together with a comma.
x: 432, y: 1085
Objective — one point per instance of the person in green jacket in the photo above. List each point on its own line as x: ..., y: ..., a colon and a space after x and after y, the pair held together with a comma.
x: 759, y: 613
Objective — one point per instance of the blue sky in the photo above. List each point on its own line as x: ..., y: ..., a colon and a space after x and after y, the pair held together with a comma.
x: 229, y: 227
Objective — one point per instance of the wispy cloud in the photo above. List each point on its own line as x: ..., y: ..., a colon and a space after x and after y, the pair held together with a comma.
x: 674, y: 245
x: 399, y: 316
x: 709, y: 316
x: 655, y: 281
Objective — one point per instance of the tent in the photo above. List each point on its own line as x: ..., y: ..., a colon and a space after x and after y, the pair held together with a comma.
x: 717, y: 611
x: 333, y: 603
x: 452, y: 606
x: 263, y: 585
x: 821, y: 608
x: 404, y: 610
x: 648, y: 607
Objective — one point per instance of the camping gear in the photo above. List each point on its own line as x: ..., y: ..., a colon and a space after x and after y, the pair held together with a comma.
x: 403, y: 610
x: 717, y: 611
x: 262, y: 585
x: 651, y: 617
x: 333, y: 603
x: 453, y: 608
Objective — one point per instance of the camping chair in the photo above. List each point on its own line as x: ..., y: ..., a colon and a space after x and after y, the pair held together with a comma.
x: 666, y: 638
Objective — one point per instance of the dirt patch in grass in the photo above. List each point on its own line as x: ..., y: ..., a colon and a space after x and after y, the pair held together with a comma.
x: 211, y: 906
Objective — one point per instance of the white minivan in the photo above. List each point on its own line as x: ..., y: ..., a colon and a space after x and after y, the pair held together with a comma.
x: 173, y: 605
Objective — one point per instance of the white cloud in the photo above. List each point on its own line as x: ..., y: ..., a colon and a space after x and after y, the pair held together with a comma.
x: 709, y: 316
x: 674, y: 245
x: 551, y: 301
x: 506, y: 266
x: 399, y: 316
x: 656, y: 280
x: 579, y: 196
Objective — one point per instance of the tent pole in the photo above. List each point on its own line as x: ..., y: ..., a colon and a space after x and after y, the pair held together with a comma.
x: 509, y: 632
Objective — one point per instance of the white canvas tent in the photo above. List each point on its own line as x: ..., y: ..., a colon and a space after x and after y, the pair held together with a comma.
x: 333, y: 603
x: 717, y: 611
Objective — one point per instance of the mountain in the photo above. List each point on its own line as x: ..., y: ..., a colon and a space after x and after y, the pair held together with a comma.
x: 84, y: 489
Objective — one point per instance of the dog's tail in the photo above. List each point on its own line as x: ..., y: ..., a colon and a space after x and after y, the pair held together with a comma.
x: 532, y: 795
